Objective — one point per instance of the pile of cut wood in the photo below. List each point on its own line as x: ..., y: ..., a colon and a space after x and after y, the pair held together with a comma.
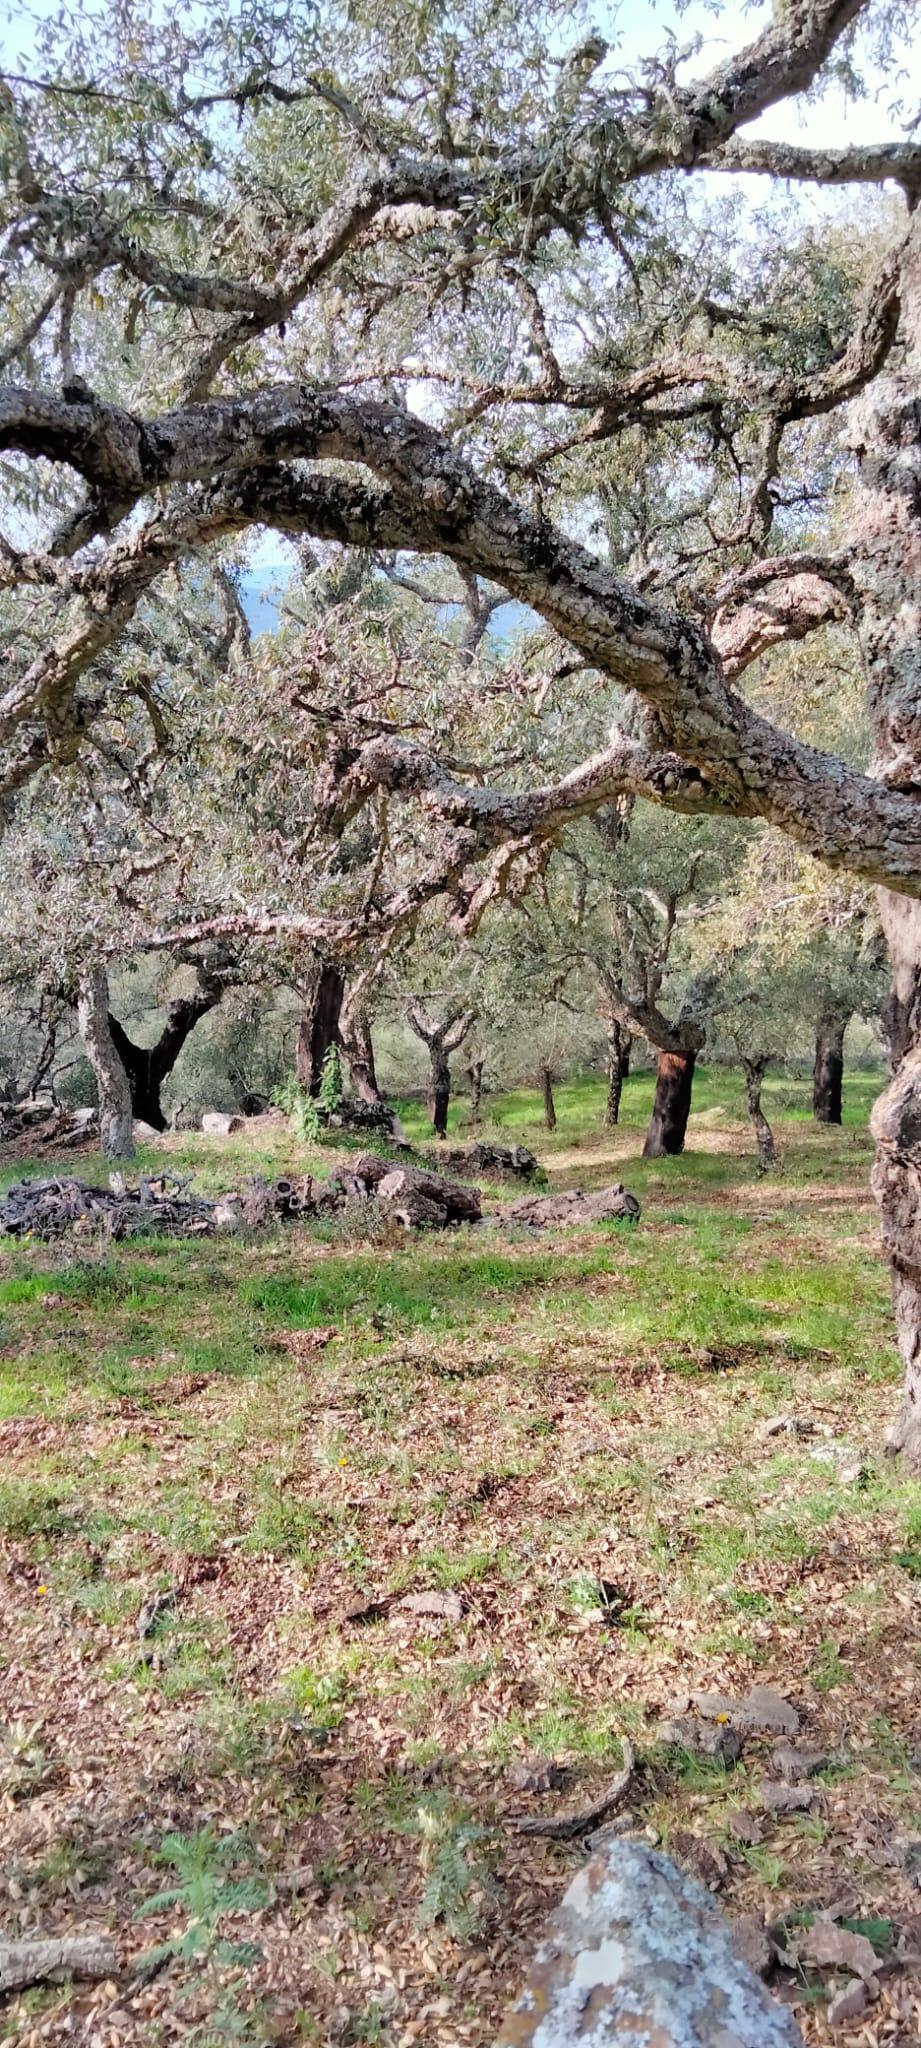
x: 166, y: 1206
x: 50, y: 1208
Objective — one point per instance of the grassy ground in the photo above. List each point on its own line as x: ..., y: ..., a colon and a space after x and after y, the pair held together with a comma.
x: 301, y: 1817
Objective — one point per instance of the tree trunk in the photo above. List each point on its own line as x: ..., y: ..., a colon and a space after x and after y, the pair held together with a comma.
x: 886, y: 557
x: 440, y: 1090
x: 147, y: 1067
x: 549, y: 1104
x: 896, y: 1179
x: 475, y: 1078
x: 319, y: 1025
x: 828, y: 1071
x: 358, y: 1046
x: 115, y: 1113
x: 620, y: 1045
x: 671, y: 1106
x: 764, y: 1136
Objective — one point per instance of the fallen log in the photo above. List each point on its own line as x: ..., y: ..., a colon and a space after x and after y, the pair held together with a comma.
x: 419, y: 1196
x: 36, y: 1961
x: 573, y: 1206
x: 637, y: 1951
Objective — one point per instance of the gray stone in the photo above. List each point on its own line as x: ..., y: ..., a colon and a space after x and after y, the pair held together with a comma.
x: 797, y: 1760
x: 702, y: 1738
x: 777, y: 1797
x: 762, y: 1712
x: 638, y: 1952
x: 848, y: 2004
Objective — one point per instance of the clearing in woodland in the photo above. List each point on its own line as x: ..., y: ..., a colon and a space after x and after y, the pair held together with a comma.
x: 623, y: 1464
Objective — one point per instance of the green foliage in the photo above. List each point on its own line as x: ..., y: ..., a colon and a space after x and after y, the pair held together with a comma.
x: 459, y: 1878
x: 330, y: 1095
x: 206, y: 1890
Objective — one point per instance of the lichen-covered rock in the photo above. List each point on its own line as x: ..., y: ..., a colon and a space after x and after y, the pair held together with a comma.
x: 638, y: 1953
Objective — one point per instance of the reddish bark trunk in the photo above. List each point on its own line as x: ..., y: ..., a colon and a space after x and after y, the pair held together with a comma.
x: 671, y: 1106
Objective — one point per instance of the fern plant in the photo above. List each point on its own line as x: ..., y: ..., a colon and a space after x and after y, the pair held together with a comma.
x: 206, y: 1891
x: 459, y: 1878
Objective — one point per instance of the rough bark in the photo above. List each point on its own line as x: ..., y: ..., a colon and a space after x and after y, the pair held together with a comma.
x: 639, y: 1952
x: 896, y: 1182
x: 358, y: 1047
x: 474, y: 1072
x: 546, y: 1077
x: 828, y: 1070
x: 754, y: 1070
x: 620, y: 1046
x: 115, y: 1110
x: 147, y: 1067
x: 887, y: 571
x: 439, y: 1090
x: 319, y: 1024
x: 38, y: 1959
x: 667, y: 1127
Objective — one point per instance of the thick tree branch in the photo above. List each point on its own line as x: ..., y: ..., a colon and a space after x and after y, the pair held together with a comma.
x: 870, y: 164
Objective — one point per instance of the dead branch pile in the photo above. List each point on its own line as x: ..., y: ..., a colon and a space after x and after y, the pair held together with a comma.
x: 50, y: 1208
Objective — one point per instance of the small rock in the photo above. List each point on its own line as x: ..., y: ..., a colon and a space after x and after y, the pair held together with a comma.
x: 446, y: 1606
x: 828, y: 1947
x: 534, y: 1774
x: 763, y: 1712
x: 848, y: 2004
x: 754, y: 1943
x: 745, y: 1826
x: 797, y: 1760
x: 709, y: 1738
x: 778, y: 1798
